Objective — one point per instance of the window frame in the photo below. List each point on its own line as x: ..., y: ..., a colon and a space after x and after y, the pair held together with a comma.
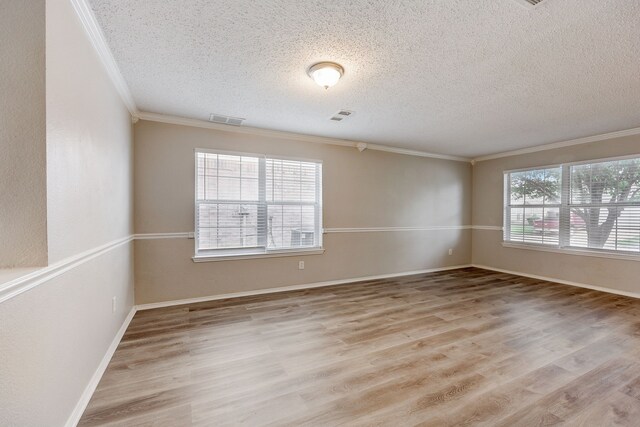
x: 564, y: 238
x: 260, y: 250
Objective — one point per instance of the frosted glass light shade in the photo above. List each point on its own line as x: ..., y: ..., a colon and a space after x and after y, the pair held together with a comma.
x: 326, y: 74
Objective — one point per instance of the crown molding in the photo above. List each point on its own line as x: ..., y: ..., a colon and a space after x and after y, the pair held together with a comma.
x: 97, y: 39
x: 183, y: 121
x: 560, y: 144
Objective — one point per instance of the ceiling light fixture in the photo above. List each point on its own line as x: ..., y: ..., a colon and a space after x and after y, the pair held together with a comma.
x: 326, y: 74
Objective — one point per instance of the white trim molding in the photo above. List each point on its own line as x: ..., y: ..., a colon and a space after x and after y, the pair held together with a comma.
x: 572, y: 251
x: 560, y: 281
x: 154, y: 236
x: 396, y: 229
x: 269, y: 254
x: 80, y: 407
x: 560, y: 144
x: 31, y: 280
x: 488, y: 227
x: 189, y: 234
x: 97, y: 39
x: 183, y: 121
x: 171, y: 303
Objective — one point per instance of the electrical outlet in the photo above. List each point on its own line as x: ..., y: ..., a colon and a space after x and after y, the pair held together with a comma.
x: 300, y: 265
x: 113, y: 304
x: 450, y: 251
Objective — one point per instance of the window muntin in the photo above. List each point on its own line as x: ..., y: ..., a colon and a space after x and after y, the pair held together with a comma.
x: 597, y: 206
x: 249, y: 204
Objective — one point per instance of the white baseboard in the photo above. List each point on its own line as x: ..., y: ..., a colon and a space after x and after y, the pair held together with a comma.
x: 97, y: 375
x: 162, y: 304
x: 564, y: 282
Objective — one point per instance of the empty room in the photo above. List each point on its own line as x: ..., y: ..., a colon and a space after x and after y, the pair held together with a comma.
x: 319, y: 213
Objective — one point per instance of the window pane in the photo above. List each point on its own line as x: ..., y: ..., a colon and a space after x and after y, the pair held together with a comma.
x: 290, y: 191
x: 229, y: 188
x: 208, y: 215
x: 291, y: 226
x: 229, y: 165
x: 516, y: 189
x: 291, y: 181
x: 249, y: 189
x: 227, y: 226
x: 231, y: 214
x: 533, y: 228
x: 606, y: 182
x: 628, y: 230
x: 549, y: 226
x: 535, y: 187
x: 552, y: 185
x: 308, y: 218
x: 250, y: 167
x: 207, y: 238
x: 517, y: 225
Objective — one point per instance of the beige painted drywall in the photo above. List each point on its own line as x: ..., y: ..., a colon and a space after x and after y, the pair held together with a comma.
x: 368, y: 189
x: 89, y: 150
x: 23, y: 210
x: 54, y: 336
x: 487, y: 211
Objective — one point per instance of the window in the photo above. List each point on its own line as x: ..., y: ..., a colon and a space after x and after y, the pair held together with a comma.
x: 251, y: 204
x: 594, y: 206
x: 533, y: 206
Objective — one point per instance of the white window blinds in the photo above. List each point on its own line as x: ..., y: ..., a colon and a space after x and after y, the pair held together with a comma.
x: 593, y: 206
x: 604, y: 205
x: 533, y: 206
x: 252, y: 204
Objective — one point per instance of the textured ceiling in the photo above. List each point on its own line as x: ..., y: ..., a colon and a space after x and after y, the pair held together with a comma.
x: 456, y: 77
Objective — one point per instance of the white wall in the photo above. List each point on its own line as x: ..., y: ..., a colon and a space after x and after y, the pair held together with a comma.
x: 54, y: 336
x: 23, y: 210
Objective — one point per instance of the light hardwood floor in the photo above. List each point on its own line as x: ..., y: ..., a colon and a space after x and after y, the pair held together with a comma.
x: 463, y: 347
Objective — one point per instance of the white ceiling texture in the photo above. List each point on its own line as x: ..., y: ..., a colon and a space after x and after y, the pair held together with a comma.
x: 457, y: 77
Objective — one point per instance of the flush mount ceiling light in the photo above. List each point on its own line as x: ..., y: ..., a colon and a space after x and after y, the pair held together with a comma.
x: 326, y: 74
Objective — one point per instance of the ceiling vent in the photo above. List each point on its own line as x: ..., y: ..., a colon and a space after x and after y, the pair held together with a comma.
x: 341, y: 115
x: 530, y: 3
x: 225, y: 120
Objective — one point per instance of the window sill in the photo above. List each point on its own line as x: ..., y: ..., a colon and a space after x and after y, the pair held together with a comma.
x: 572, y: 251
x: 270, y: 254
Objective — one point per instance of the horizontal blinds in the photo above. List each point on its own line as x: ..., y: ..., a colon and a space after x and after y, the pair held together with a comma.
x: 604, y: 205
x: 293, y: 203
x: 245, y: 201
x: 533, y: 206
x: 588, y: 205
x: 228, y: 201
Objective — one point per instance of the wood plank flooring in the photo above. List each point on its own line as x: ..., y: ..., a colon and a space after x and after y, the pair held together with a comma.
x: 458, y: 348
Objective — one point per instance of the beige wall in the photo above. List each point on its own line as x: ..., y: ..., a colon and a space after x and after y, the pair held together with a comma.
x: 89, y: 150
x: 369, y: 189
x: 487, y: 211
x: 23, y: 210
x: 53, y: 337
